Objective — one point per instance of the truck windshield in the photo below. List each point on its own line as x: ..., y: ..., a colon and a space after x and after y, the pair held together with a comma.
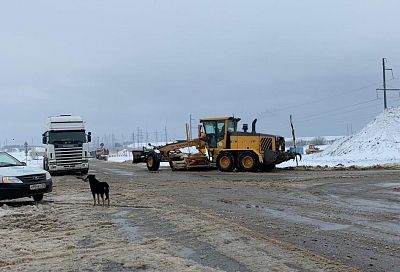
x: 67, y: 137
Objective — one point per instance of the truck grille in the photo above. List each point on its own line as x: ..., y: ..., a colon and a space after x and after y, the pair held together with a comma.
x: 32, y: 178
x: 68, y: 155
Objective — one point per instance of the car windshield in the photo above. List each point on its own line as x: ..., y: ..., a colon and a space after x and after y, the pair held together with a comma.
x: 67, y: 137
x: 8, y: 160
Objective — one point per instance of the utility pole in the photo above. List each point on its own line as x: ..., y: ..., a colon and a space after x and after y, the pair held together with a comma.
x: 138, y: 136
x: 384, y: 83
x: 190, y: 127
x: 384, y: 69
x: 156, y: 134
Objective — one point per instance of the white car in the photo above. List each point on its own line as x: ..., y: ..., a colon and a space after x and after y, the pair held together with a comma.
x: 18, y: 180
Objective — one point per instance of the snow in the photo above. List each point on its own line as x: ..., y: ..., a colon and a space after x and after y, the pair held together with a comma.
x: 121, y: 156
x: 20, y: 155
x: 376, y: 144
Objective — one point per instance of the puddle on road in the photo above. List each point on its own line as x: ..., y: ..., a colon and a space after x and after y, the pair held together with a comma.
x: 186, y: 252
x: 118, y: 172
x: 132, y: 232
x: 370, y: 205
x: 296, y: 218
x: 388, y: 184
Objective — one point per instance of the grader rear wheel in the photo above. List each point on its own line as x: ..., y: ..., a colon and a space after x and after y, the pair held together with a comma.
x: 248, y: 162
x: 225, y: 162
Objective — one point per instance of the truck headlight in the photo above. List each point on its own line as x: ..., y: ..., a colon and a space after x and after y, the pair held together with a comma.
x: 11, y: 180
x: 48, y: 176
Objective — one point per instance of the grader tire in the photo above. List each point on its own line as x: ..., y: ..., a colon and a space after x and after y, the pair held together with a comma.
x: 248, y: 162
x: 153, y: 162
x: 225, y: 162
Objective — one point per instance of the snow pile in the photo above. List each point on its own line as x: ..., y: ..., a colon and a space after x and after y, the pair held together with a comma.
x: 376, y: 144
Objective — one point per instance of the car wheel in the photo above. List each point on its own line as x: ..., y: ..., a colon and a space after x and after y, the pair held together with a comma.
x: 38, y: 197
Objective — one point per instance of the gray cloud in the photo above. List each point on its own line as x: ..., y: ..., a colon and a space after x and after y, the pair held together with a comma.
x: 128, y: 64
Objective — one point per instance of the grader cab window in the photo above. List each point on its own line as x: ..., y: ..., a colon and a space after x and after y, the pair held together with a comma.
x: 232, y: 126
x: 215, y: 132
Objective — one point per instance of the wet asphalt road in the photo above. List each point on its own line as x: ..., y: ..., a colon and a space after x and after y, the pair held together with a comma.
x: 349, y: 217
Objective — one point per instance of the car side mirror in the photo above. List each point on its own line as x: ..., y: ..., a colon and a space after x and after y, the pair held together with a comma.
x: 89, y: 137
x: 23, y: 163
x: 44, y: 139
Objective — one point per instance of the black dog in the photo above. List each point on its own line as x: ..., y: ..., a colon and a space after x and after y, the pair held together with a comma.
x: 98, y: 188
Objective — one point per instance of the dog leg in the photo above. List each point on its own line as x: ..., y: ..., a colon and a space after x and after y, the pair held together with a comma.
x: 94, y: 200
x: 98, y: 199
x: 102, y: 198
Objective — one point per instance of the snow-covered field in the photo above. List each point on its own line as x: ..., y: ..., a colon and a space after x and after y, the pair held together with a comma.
x: 376, y: 144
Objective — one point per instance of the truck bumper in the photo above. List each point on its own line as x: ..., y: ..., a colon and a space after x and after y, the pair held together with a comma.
x: 68, y: 167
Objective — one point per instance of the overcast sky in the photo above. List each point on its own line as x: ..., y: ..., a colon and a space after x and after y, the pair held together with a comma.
x: 152, y: 63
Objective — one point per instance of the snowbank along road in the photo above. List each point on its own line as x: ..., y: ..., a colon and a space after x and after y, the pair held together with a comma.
x: 208, y: 221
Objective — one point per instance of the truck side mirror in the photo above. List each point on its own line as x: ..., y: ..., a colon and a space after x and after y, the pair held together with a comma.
x: 89, y: 137
x: 44, y: 139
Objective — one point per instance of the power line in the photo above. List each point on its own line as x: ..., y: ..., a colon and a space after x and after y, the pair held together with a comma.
x: 339, y: 113
x: 321, y: 99
x: 339, y: 108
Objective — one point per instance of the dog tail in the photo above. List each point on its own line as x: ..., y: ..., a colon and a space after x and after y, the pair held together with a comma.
x: 107, y: 191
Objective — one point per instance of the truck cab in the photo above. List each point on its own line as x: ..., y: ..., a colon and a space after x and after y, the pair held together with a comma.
x: 66, y: 145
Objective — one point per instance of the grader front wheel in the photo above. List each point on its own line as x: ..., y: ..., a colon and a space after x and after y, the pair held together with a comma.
x: 153, y: 162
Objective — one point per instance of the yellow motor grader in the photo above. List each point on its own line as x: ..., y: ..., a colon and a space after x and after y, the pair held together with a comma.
x: 220, y: 145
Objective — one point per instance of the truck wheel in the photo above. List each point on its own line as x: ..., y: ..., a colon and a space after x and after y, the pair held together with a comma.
x: 153, y: 162
x: 248, y: 162
x: 225, y: 162
x: 38, y: 197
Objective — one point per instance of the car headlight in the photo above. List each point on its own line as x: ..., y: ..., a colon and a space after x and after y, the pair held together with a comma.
x: 48, y: 176
x: 11, y: 180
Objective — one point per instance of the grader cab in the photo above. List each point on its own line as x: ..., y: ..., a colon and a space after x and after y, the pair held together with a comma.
x: 221, y: 145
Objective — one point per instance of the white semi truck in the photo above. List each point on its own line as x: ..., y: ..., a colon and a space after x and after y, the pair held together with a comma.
x: 66, y: 145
